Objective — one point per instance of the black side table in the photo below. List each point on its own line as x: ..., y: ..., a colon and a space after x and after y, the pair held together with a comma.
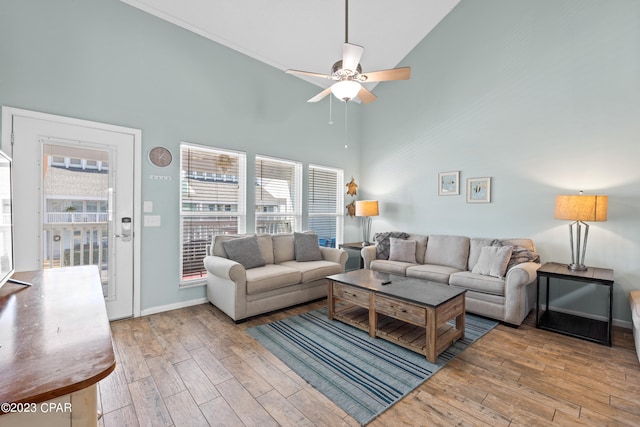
x: 356, y: 246
x: 597, y: 331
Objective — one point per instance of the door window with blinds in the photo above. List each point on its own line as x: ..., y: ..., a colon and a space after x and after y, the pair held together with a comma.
x: 212, y: 201
x: 325, y: 204
x: 278, y: 195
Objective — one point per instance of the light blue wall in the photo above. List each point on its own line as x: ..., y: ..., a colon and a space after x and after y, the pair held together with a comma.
x: 543, y: 97
x: 105, y: 61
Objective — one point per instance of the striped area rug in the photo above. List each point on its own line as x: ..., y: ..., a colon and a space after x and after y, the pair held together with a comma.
x: 362, y: 375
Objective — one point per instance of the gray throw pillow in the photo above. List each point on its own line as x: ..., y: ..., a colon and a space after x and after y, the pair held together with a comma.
x: 383, y: 244
x: 245, y: 250
x: 518, y: 254
x: 402, y: 250
x: 493, y: 261
x: 306, y: 247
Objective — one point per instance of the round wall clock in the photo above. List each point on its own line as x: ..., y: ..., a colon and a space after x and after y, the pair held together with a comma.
x: 160, y: 156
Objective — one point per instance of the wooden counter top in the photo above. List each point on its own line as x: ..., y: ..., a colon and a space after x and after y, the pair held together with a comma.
x: 55, y: 336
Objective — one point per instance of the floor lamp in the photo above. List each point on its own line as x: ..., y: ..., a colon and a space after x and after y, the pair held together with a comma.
x: 366, y: 209
x: 579, y: 208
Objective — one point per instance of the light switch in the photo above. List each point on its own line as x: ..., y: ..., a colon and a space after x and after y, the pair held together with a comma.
x: 152, y: 221
x: 148, y: 206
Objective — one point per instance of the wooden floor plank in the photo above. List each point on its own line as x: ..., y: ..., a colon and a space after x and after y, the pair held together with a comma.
x: 283, y: 411
x: 201, y: 389
x: 248, y: 409
x: 148, y: 403
x: 219, y: 413
x: 184, y: 411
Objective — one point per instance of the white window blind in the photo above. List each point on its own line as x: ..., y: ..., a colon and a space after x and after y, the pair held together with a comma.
x: 212, y: 201
x: 278, y: 195
x: 325, y: 204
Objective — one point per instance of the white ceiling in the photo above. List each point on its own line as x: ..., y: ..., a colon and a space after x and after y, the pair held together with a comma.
x: 307, y: 34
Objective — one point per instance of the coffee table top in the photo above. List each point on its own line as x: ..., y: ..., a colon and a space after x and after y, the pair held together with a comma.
x: 421, y: 291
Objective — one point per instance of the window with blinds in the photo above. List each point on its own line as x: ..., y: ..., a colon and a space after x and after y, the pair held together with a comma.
x: 212, y: 201
x: 278, y: 195
x: 325, y: 204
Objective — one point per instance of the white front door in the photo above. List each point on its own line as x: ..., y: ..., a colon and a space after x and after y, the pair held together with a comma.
x: 74, y: 200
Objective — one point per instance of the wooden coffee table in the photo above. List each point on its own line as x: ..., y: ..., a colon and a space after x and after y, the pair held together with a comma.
x: 412, y: 313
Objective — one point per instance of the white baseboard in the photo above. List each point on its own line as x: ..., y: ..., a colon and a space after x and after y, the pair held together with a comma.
x: 174, y: 306
x: 616, y: 322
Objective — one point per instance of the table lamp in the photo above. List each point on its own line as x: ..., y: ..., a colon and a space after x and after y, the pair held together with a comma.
x: 579, y: 208
x: 366, y: 209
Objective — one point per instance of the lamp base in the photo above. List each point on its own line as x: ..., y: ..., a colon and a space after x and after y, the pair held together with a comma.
x: 577, y: 267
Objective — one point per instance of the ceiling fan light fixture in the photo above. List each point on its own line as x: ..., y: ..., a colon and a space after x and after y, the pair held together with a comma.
x: 346, y: 90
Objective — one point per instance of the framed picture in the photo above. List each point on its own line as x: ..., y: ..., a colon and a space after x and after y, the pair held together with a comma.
x: 449, y: 183
x: 479, y: 190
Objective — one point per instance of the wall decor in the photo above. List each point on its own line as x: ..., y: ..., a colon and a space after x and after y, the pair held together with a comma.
x: 352, y: 187
x: 479, y: 190
x: 449, y: 183
x: 351, y: 209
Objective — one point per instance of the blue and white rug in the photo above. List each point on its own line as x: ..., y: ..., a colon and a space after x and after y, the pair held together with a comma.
x: 362, y: 375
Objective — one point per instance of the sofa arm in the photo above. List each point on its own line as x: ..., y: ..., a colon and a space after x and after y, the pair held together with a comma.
x: 368, y: 254
x: 520, y: 298
x: 335, y: 255
x: 225, y: 268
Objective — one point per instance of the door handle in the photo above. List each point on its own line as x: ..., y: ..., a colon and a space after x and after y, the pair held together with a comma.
x: 126, y: 230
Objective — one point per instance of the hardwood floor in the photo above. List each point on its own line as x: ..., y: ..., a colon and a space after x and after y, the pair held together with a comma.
x: 195, y: 367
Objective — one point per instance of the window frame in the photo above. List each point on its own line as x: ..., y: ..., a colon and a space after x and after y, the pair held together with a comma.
x: 241, y: 212
x: 339, y: 195
x: 297, y: 194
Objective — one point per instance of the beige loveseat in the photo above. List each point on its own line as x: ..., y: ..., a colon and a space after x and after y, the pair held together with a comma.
x: 500, y: 280
x: 287, y: 273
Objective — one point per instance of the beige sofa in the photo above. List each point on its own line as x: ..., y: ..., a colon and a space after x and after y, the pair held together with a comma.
x: 281, y: 282
x: 499, y: 289
x: 634, y: 301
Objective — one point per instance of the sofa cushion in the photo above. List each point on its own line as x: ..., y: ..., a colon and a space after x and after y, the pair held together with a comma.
x: 266, y: 247
x: 475, y: 247
x: 478, y: 282
x: 218, y: 240
x: 421, y: 246
x: 271, y: 276
x: 523, y: 251
x: 306, y: 247
x: 433, y: 272
x: 383, y: 245
x: 245, y: 250
x: 314, y: 270
x: 450, y: 251
x: 393, y: 267
x: 283, y: 249
x: 493, y: 261
x: 402, y: 250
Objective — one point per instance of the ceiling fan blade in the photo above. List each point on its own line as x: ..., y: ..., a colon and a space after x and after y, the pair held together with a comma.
x: 366, y: 96
x: 310, y: 74
x: 386, y: 75
x: 321, y: 95
x: 351, y: 54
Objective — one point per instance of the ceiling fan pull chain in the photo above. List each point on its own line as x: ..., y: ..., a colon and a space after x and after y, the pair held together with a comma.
x: 330, y: 111
x: 346, y: 122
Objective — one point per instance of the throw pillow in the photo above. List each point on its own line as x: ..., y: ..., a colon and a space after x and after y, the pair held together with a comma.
x: 306, y: 247
x: 519, y: 254
x: 245, y: 250
x: 402, y: 250
x: 493, y: 261
x: 383, y: 245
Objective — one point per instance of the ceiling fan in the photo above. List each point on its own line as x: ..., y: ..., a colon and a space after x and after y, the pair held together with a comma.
x: 348, y: 75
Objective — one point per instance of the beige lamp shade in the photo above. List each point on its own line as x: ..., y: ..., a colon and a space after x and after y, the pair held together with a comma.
x: 366, y: 208
x: 580, y: 207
